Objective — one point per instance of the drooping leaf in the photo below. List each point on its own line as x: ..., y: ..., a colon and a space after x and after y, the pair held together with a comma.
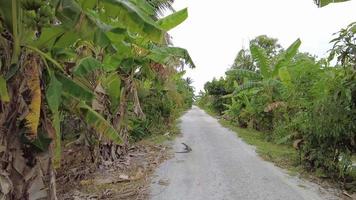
x: 48, y: 37
x: 57, y: 144
x: 47, y: 57
x: 75, y: 89
x: 173, y: 20
x: 33, y: 84
x: 102, y: 126
x: 54, y: 93
x: 68, y: 13
x: 86, y: 66
x: 66, y: 40
x: 53, y: 96
x: 72, y: 16
x: 4, y: 95
x: 133, y: 18
x: 164, y: 54
x: 117, y: 35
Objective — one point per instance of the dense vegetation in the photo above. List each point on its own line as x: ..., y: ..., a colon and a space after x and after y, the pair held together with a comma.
x: 294, y: 98
x: 102, y: 73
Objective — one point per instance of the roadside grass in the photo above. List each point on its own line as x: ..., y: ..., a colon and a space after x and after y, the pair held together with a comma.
x: 170, y: 134
x: 282, y: 155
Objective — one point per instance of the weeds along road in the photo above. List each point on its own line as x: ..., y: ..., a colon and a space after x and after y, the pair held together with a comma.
x: 222, y: 167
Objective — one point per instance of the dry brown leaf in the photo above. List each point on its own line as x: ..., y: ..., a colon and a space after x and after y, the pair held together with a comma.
x: 274, y: 106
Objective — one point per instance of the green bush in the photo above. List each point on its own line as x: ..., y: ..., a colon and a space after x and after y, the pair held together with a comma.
x: 295, y: 99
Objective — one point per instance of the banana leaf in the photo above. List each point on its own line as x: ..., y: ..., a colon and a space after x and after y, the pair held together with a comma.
x: 173, y: 20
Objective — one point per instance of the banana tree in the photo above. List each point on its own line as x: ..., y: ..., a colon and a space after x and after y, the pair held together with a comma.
x: 38, y: 80
x: 268, y: 75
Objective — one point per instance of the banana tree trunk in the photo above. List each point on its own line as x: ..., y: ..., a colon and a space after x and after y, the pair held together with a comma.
x: 24, y: 172
x: 25, y: 176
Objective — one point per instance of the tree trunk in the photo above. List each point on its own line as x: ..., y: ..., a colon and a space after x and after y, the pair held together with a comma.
x: 25, y: 173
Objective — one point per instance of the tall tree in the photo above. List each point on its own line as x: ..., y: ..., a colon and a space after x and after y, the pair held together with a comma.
x: 270, y: 45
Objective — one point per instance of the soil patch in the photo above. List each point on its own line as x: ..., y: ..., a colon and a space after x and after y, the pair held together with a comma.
x: 128, y: 178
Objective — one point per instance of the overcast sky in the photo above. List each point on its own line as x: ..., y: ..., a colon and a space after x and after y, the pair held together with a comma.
x: 216, y: 30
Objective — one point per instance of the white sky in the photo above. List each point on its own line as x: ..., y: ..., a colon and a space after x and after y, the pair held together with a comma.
x: 216, y: 30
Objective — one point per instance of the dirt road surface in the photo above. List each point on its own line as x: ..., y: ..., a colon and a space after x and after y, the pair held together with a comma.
x: 222, y: 167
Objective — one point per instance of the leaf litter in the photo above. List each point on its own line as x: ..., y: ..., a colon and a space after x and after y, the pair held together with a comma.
x: 128, y: 178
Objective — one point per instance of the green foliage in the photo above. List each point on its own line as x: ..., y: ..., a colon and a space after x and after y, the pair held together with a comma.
x: 86, y: 66
x: 101, y: 125
x: 283, y: 155
x: 215, y: 91
x: 54, y: 99
x: 100, y: 62
x: 4, y: 95
x: 345, y: 46
x: 322, y: 3
x: 164, y: 55
x: 73, y: 88
x: 243, y: 60
x: 291, y: 96
x: 173, y: 20
x: 269, y: 45
x: 163, y: 103
x: 262, y: 60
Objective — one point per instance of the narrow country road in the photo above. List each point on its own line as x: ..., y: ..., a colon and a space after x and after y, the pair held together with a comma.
x: 222, y: 167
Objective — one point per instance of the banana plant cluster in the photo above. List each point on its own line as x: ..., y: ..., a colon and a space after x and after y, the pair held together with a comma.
x: 267, y: 74
x: 85, y: 57
x: 297, y: 99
